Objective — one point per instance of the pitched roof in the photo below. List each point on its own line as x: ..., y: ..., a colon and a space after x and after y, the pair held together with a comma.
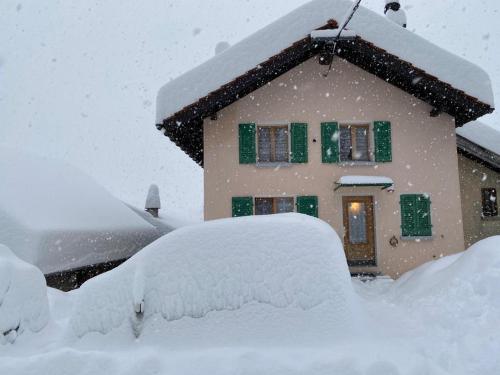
x: 480, y: 142
x: 381, y: 47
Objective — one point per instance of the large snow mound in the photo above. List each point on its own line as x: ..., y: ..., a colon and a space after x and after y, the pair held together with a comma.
x: 298, y: 24
x: 244, y: 269
x: 56, y: 217
x: 23, y: 297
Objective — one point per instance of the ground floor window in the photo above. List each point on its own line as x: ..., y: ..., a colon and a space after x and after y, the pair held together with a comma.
x: 267, y: 206
x: 489, y: 202
x: 415, y: 215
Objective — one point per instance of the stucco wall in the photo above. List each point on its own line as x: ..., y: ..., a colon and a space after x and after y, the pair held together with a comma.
x: 424, y: 156
x: 474, y: 177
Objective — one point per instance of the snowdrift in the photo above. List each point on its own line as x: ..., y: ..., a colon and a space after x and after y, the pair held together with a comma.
x: 57, y: 218
x: 269, y: 278
x: 23, y: 297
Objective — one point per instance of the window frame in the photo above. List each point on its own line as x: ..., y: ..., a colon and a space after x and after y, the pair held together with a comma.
x: 281, y: 124
x: 494, y: 213
x: 370, y: 139
x: 292, y: 198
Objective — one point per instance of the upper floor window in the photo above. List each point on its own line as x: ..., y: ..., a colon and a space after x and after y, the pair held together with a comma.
x: 489, y: 201
x: 354, y: 142
x: 272, y: 144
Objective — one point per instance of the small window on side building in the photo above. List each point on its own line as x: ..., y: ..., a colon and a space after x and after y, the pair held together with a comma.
x: 489, y: 201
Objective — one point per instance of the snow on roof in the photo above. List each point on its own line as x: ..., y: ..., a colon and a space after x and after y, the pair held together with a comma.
x: 365, y: 180
x: 56, y: 217
x: 481, y: 134
x: 232, y: 271
x: 271, y: 40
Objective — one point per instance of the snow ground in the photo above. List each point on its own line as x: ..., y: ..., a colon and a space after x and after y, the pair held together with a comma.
x: 441, y: 318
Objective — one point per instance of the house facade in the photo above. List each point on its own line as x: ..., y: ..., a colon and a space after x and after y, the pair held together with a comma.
x: 479, y: 172
x: 340, y: 129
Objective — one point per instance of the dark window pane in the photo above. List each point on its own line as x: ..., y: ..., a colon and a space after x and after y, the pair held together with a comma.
x: 263, y: 206
x: 361, y: 152
x: 490, y: 206
x: 284, y: 205
x: 264, y: 142
x: 345, y: 143
x: 281, y: 144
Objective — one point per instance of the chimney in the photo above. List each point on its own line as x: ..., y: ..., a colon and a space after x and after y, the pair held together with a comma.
x: 394, y: 12
x: 153, y: 204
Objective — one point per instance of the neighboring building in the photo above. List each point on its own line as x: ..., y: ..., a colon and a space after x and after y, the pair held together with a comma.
x: 60, y: 220
x: 479, y: 168
x: 368, y: 146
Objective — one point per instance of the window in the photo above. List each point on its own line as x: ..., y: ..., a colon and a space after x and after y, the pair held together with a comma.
x: 268, y: 206
x: 272, y: 144
x: 354, y: 143
x: 416, y: 215
x: 489, y: 200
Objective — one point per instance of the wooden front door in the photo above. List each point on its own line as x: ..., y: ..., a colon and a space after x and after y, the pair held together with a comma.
x: 359, y: 231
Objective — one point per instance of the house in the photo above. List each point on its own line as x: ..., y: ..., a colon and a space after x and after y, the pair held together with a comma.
x: 479, y: 170
x: 357, y: 130
x: 60, y: 220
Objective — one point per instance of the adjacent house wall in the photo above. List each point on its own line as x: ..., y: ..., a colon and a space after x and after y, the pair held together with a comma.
x: 473, y: 177
x: 423, y: 148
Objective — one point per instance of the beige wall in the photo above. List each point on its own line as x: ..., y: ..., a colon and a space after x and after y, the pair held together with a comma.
x: 473, y: 177
x: 424, y: 157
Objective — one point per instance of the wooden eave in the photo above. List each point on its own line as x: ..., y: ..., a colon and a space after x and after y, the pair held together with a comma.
x: 185, y: 127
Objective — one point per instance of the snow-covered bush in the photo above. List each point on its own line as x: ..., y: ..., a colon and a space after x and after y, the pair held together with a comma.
x: 286, y: 273
x: 23, y: 297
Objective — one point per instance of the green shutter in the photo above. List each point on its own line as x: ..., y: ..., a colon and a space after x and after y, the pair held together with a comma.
x: 308, y: 205
x: 383, y: 143
x: 299, y: 143
x: 247, y: 143
x: 415, y: 215
x: 242, y: 206
x: 330, y: 142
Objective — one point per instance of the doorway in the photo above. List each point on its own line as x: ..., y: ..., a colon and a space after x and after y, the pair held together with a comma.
x: 359, y: 230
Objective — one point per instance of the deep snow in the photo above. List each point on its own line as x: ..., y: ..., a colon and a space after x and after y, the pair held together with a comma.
x: 440, y: 319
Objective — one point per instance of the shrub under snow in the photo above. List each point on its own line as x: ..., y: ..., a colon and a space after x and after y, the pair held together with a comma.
x: 280, y: 268
x: 23, y: 297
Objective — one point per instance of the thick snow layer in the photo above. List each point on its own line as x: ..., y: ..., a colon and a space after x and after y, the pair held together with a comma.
x: 440, y: 319
x: 23, y: 297
x: 482, y: 135
x: 364, y: 180
x: 281, y: 34
x: 56, y: 217
x: 243, y: 270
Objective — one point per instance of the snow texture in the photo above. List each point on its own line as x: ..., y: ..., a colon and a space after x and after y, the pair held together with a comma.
x: 250, y: 268
x: 57, y: 218
x: 364, y: 180
x: 153, y: 198
x: 482, y: 135
x: 281, y: 34
x: 398, y: 17
x: 322, y: 34
x: 24, y: 304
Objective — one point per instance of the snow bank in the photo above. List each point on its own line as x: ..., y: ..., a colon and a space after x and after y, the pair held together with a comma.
x: 281, y: 34
x: 56, y: 217
x: 249, y: 271
x: 23, y: 297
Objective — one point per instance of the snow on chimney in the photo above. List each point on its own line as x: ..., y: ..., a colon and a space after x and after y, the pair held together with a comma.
x: 153, y: 204
x: 394, y: 12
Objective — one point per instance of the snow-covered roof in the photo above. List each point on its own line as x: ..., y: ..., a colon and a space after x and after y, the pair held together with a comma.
x: 365, y: 180
x: 271, y: 40
x: 56, y: 217
x: 481, y: 134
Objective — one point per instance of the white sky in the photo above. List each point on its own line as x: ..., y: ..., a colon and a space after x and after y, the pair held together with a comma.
x: 78, y: 79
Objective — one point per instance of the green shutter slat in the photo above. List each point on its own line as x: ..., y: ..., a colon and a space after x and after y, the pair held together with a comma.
x: 308, y: 205
x: 383, y: 141
x: 298, y: 153
x: 415, y: 215
x: 242, y: 206
x: 247, y: 143
x: 329, y: 142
